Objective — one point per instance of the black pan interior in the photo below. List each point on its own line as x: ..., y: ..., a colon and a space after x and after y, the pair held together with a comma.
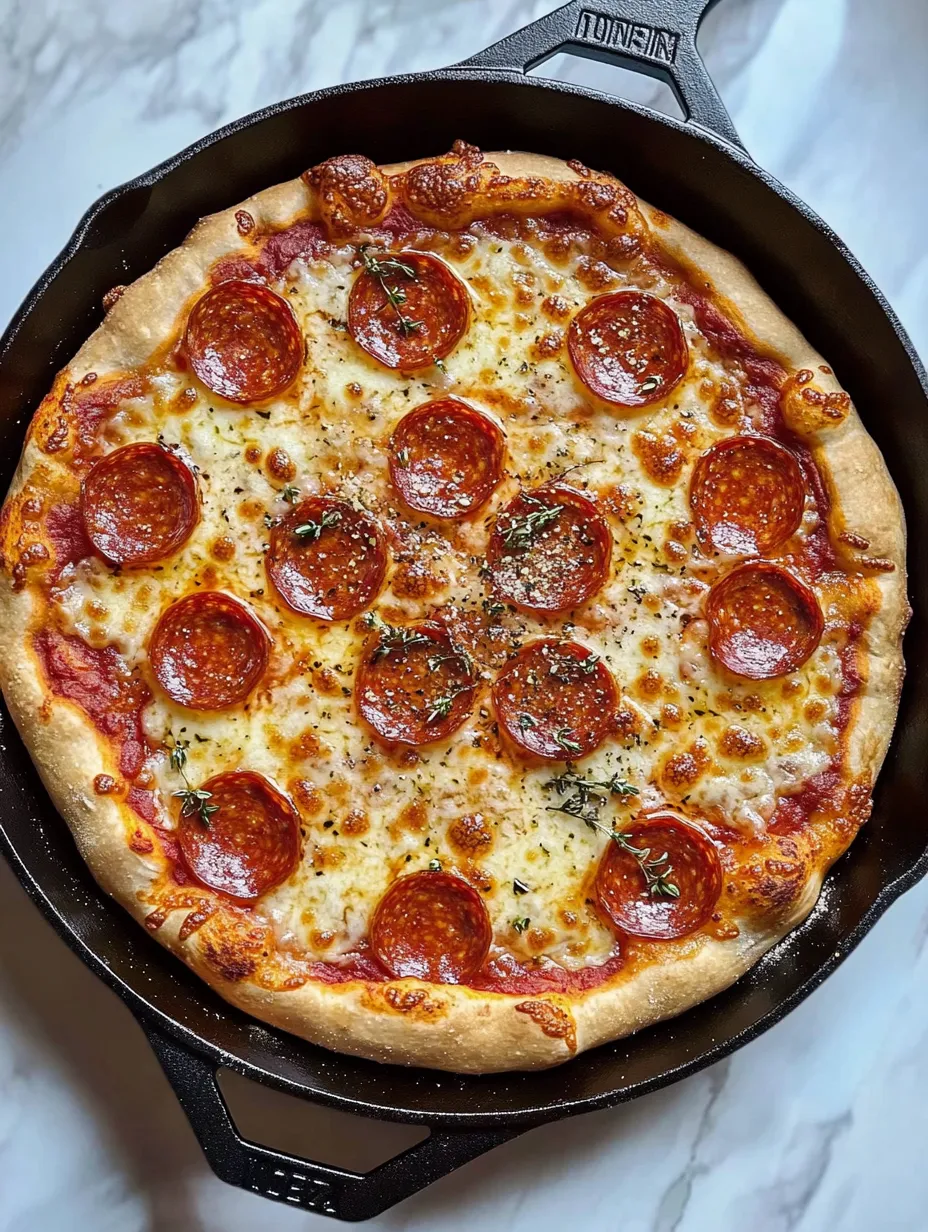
x: 722, y: 196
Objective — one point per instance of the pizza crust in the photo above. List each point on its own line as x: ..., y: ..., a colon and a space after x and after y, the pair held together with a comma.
x: 405, y: 1021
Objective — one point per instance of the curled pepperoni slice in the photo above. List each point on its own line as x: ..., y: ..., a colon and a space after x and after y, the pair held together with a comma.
x: 661, y: 879
x: 414, y: 686
x: 427, y: 316
x: 550, y: 550
x: 431, y: 926
x: 245, y: 841
x: 446, y: 458
x: 555, y: 699
x: 243, y: 341
x: 327, y: 559
x: 139, y: 504
x: 208, y: 651
x: 747, y: 495
x: 628, y: 348
x: 763, y: 622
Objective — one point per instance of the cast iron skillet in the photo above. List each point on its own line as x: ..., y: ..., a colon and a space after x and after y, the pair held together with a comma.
x: 697, y: 171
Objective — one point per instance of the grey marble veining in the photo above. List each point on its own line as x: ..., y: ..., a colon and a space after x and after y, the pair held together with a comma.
x: 820, y: 1125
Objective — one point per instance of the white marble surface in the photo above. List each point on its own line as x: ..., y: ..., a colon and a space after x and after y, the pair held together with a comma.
x: 820, y: 1125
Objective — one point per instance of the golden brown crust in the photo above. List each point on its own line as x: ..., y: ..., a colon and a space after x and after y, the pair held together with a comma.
x: 404, y: 1021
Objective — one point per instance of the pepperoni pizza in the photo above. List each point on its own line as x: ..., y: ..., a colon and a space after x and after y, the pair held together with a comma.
x: 454, y: 610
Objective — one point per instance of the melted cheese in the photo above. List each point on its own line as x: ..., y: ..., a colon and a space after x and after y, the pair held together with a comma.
x: 369, y: 816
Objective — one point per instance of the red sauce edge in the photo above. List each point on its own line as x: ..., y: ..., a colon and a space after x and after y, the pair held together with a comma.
x: 502, y: 974
x: 93, y: 679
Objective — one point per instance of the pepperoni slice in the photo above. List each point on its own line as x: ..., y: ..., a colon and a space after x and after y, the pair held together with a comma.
x: 414, y: 686
x: 425, y: 325
x: 763, y: 622
x: 747, y: 495
x: 431, y: 926
x: 247, y: 842
x: 208, y: 651
x: 550, y: 550
x: 327, y: 559
x: 243, y: 341
x: 678, y: 856
x: 446, y: 458
x: 628, y: 348
x: 555, y: 699
x: 139, y: 504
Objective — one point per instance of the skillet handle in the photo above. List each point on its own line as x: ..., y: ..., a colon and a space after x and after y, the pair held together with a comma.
x: 656, y: 37
x: 301, y: 1182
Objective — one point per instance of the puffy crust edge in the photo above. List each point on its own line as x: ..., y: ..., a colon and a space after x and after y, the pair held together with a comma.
x: 463, y: 1031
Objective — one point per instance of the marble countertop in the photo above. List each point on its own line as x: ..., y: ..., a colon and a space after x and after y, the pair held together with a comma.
x: 820, y: 1125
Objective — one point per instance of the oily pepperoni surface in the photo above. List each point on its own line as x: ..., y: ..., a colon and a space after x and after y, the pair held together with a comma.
x: 414, y: 686
x: 436, y: 308
x: 252, y: 841
x: 446, y: 458
x: 628, y: 348
x: 692, y: 866
x: 550, y: 550
x: 327, y: 559
x: 208, y: 651
x: 431, y: 926
x: 139, y: 504
x: 763, y: 621
x: 555, y: 699
x: 747, y: 495
x: 243, y: 341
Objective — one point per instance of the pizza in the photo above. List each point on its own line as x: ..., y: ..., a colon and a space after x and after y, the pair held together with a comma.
x: 454, y: 610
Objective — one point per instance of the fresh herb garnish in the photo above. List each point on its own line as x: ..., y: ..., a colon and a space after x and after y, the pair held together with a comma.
x: 521, y: 924
x: 194, y: 800
x: 586, y: 796
x: 194, y: 804
x: 441, y: 708
x: 449, y: 656
x: 393, y: 637
x: 434, y: 866
x: 290, y: 494
x: 383, y: 268
x: 519, y: 887
x: 566, y: 741
x: 526, y: 721
x: 520, y: 533
x: 309, y: 532
x: 656, y: 870
x: 584, y: 803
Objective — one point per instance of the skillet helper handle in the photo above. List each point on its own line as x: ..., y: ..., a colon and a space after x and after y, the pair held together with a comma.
x: 301, y: 1182
x: 656, y: 37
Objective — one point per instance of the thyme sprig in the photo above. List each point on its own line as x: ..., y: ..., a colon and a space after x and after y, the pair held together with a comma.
x: 383, y: 268
x: 194, y: 800
x: 655, y: 869
x: 455, y: 655
x: 566, y: 741
x: 393, y: 637
x: 441, y: 708
x: 586, y: 792
x: 521, y: 532
x: 311, y: 531
x: 584, y: 803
